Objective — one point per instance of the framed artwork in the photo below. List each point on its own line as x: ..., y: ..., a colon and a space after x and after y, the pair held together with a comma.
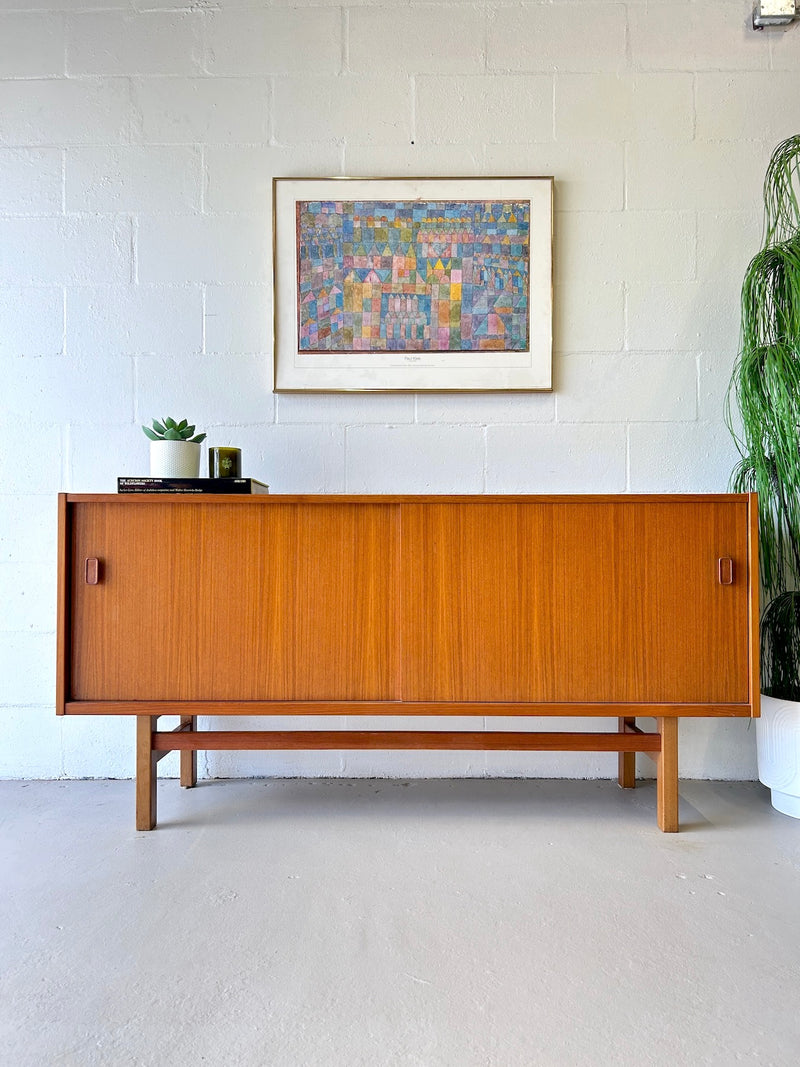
x: 412, y: 284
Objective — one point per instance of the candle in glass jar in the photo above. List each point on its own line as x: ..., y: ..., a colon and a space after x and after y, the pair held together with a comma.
x: 224, y: 462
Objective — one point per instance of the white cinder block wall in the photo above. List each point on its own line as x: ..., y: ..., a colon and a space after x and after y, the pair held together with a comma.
x: 138, y: 140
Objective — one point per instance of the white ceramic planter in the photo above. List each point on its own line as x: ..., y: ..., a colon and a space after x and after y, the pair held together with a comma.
x: 174, y: 459
x: 778, y: 741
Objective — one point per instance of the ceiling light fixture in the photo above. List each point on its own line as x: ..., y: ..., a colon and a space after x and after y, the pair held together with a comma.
x: 773, y: 13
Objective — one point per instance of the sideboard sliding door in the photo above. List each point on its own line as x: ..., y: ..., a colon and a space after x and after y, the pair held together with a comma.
x: 575, y: 602
x: 282, y: 602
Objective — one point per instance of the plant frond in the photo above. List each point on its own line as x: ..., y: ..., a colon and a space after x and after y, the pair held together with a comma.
x: 765, y: 388
x: 782, y: 190
x: 780, y: 646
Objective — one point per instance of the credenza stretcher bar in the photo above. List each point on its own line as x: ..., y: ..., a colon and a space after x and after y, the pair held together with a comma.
x: 621, y: 606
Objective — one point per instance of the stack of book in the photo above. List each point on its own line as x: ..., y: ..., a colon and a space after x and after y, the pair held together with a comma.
x: 190, y: 485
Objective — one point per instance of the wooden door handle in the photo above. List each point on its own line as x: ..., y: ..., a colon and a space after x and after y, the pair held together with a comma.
x: 725, y: 570
x: 92, y: 571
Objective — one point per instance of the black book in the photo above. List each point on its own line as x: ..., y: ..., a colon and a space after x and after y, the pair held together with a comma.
x: 190, y: 485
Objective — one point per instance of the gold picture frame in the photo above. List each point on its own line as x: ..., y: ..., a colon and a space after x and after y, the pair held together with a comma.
x: 412, y: 284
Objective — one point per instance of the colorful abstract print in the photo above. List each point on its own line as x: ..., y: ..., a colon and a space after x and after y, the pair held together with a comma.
x: 436, y: 276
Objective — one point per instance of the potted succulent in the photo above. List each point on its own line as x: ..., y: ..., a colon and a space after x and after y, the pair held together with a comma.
x: 174, y: 449
x: 766, y: 389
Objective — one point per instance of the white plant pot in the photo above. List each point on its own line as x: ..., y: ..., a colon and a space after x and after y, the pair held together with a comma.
x: 778, y: 742
x: 174, y: 459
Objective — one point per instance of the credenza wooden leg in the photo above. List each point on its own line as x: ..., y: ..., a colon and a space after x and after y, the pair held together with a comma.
x: 146, y: 778
x: 667, y: 775
x: 189, y: 758
x: 626, y: 760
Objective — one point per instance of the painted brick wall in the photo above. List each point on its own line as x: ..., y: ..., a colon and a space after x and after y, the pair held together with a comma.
x: 137, y: 145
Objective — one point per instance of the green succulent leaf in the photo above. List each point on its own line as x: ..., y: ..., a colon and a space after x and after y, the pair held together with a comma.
x: 171, y: 430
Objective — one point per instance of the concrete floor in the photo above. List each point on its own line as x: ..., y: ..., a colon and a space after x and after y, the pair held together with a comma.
x: 348, y: 923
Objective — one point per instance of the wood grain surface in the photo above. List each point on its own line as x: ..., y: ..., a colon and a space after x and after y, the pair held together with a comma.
x: 531, y: 601
x: 575, y: 602
x: 235, y: 604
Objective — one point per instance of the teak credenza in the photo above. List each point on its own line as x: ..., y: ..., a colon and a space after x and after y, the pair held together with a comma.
x: 620, y: 606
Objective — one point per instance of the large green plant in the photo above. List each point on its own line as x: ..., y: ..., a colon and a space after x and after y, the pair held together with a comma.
x: 766, y: 388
